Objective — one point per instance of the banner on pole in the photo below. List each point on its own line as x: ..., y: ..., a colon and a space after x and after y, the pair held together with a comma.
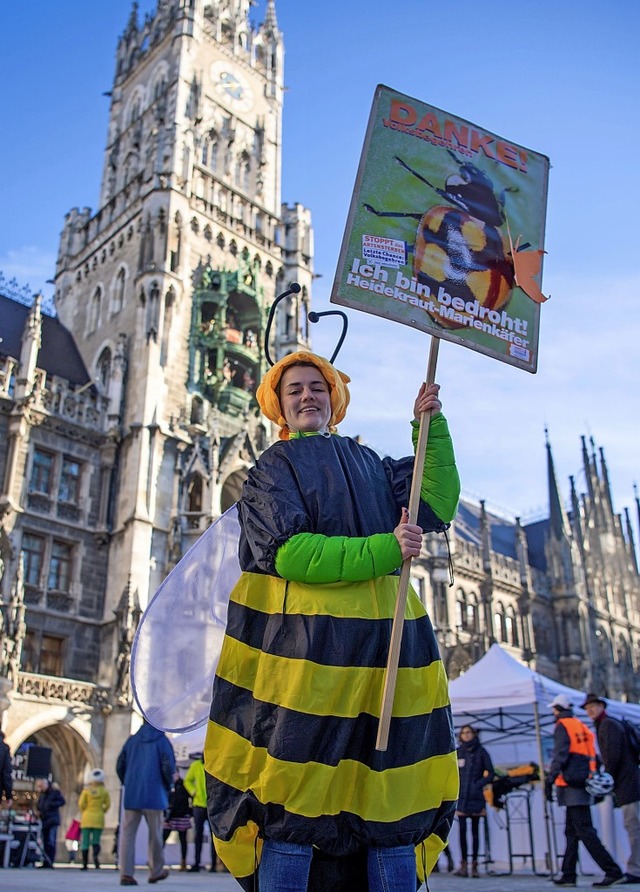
x: 439, y: 211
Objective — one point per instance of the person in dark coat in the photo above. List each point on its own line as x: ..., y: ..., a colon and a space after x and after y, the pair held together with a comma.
x: 6, y: 778
x: 146, y: 767
x: 50, y: 801
x: 476, y: 771
x: 178, y: 817
x: 574, y: 759
x: 622, y: 766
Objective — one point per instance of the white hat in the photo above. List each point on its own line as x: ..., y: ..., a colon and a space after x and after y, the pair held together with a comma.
x: 97, y: 776
x: 561, y: 701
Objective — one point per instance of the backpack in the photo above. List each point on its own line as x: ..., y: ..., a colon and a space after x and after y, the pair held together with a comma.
x: 632, y: 735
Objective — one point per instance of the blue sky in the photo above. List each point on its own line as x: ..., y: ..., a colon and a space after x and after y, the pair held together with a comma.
x: 562, y: 79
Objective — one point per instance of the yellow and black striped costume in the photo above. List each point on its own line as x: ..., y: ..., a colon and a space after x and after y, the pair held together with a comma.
x: 290, y: 750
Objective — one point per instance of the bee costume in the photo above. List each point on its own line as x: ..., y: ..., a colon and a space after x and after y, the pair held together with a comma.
x: 290, y: 749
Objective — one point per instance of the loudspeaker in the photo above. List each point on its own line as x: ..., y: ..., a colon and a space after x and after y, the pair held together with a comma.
x: 38, y: 761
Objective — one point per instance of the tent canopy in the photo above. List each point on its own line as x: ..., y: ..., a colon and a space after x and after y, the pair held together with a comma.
x: 509, y: 703
x: 498, y: 680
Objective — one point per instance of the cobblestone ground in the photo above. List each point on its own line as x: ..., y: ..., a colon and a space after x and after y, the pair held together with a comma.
x: 68, y: 878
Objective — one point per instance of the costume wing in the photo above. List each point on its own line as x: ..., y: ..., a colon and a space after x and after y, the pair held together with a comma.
x: 176, y: 647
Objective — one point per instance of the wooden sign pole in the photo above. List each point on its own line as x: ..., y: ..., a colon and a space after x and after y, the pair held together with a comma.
x: 391, y: 671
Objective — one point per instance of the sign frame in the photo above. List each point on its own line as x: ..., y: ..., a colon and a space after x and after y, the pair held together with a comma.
x: 414, y: 162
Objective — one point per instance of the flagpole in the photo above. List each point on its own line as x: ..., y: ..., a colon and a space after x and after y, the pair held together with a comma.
x: 391, y: 671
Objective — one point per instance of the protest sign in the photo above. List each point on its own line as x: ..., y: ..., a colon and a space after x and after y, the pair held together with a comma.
x: 427, y: 243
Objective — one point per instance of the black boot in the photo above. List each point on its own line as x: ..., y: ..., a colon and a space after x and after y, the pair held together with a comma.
x: 85, y: 859
x: 96, y: 852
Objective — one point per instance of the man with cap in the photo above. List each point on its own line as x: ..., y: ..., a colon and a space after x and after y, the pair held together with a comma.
x: 293, y: 775
x: 574, y: 759
x: 619, y: 761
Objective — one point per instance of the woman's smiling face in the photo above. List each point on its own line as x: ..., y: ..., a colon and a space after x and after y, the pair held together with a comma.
x: 304, y: 399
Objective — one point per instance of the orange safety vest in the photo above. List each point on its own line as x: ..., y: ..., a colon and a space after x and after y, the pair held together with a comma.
x: 581, y: 743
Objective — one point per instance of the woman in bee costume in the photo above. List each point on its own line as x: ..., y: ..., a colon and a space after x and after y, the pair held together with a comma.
x: 295, y: 784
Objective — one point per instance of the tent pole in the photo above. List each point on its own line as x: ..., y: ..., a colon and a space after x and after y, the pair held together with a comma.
x: 545, y: 804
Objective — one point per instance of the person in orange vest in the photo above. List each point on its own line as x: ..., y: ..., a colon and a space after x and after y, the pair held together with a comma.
x: 574, y: 760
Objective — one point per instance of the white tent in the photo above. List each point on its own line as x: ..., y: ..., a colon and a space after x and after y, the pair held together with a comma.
x: 509, y: 704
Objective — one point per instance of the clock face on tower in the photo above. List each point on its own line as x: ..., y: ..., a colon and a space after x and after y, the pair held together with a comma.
x: 231, y: 86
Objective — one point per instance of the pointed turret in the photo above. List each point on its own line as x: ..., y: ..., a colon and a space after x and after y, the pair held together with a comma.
x: 631, y: 545
x: 635, y: 493
x: 270, y: 25
x: 557, y: 515
x: 587, y: 467
x: 485, y: 533
x: 605, y: 478
x: 576, y: 523
x: 31, y: 341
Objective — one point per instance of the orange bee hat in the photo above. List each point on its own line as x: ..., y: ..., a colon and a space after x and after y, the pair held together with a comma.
x: 269, y: 400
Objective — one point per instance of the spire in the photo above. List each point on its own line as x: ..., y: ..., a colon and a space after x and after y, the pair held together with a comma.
x: 485, y: 533
x: 605, y: 478
x: 575, y: 511
x: 270, y: 20
x: 630, y: 542
x: 635, y: 493
x: 557, y: 514
x: 31, y: 342
x: 522, y: 554
x: 587, y: 467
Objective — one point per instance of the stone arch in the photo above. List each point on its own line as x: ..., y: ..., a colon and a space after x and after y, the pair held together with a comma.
x: 160, y: 79
x: 104, y: 369
x: 472, y: 623
x: 134, y: 107
x: 118, y: 288
x: 231, y: 488
x: 73, y: 752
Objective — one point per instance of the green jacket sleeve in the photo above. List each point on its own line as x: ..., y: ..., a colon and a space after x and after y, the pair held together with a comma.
x: 440, y: 486
x: 313, y: 558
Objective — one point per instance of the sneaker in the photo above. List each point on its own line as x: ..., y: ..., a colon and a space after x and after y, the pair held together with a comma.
x: 128, y: 881
x: 563, y: 881
x: 632, y: 878
x: 161, y: 876
x: 611, y: 881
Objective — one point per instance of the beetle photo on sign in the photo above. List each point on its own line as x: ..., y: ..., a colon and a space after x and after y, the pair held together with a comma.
x: 445, y: 231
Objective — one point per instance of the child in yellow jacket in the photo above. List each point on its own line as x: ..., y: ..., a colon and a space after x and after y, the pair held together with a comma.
x: 93, y: 803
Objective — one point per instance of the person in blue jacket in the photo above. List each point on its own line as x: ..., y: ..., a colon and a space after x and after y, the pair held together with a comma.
x: 476, y: 771
x: 295, y: 783
x: 146, y: 767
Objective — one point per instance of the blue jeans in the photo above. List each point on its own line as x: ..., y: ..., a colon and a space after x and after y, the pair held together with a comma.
x: 284, y: 867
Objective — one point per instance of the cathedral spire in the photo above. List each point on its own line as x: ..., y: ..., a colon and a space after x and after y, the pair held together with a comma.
x: 586, y: 462
x: 485, y: 533
x: 635, y: 493
x: 557, y: 514
x: 270, y: 20
x: 575, y: 511
x: 605, y: 479
x: 630, y: 541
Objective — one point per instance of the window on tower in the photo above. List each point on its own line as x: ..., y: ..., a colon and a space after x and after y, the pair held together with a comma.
x: 94, y: 310
x: 118, y: 297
